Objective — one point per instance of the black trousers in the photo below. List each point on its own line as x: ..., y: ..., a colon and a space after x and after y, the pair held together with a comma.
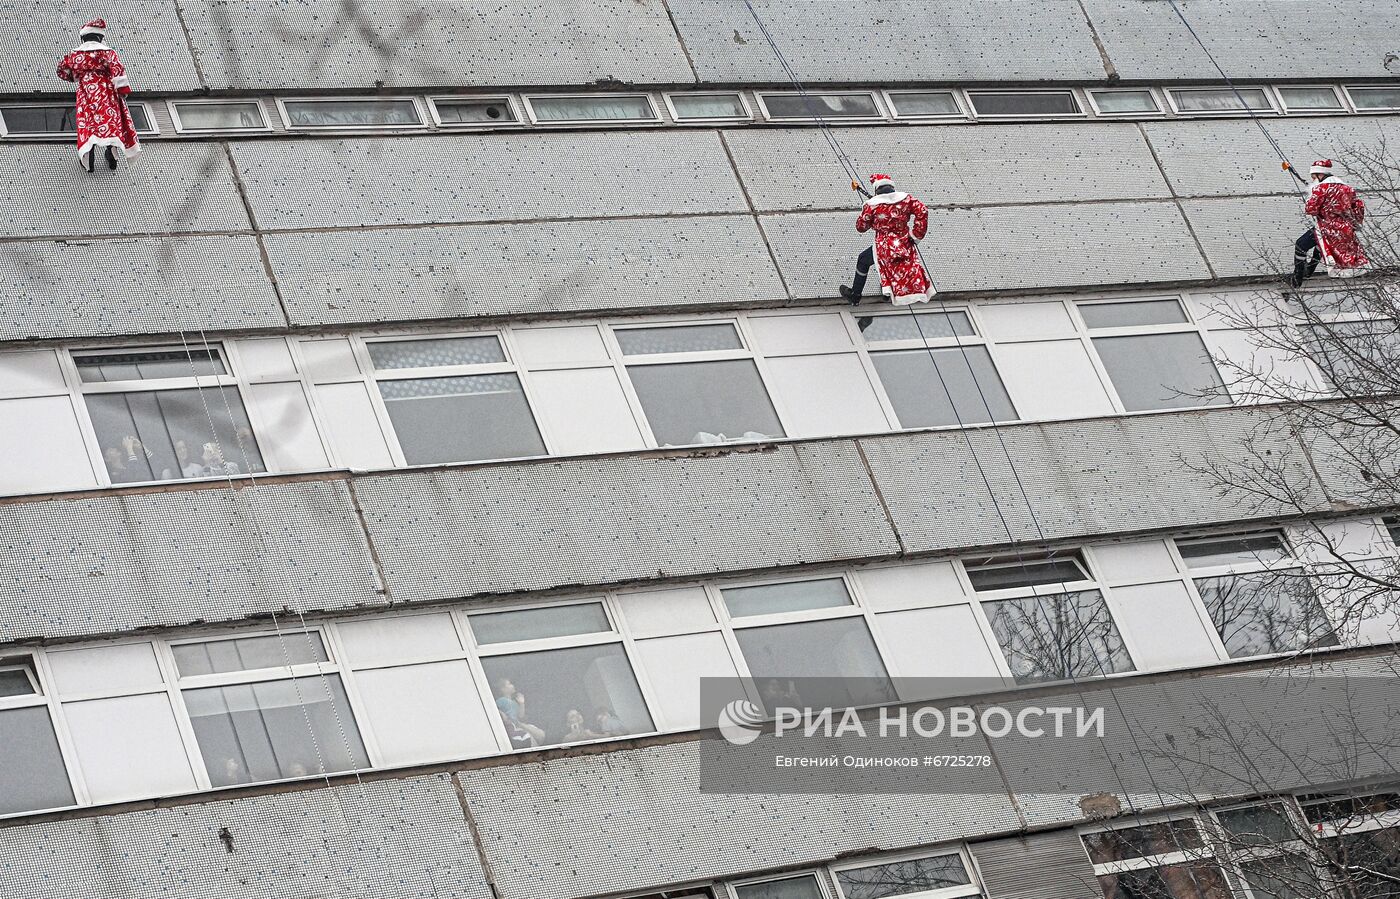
x: 1306, y: 256
x: 864, y: 263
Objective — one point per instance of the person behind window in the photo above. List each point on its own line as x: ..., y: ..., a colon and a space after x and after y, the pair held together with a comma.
x: 214, y: 462
x: 607, y: 724
x: 511, y: 703
x: 1339, y: 213
x: 575, y: 729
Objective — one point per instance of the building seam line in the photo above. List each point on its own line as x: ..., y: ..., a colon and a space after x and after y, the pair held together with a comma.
x: 753, y: 213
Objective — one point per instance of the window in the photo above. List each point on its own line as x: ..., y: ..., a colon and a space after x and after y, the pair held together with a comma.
x: 267, y: 707
x: 53, y: 119
x: 1154, y: 354
x: 167, y: 414
x: 1357, y: 357
x: 218, y: 115
x: 924, y: 104
x: 697, y: 384
x: 547, y: 694
x: 728, y: 106
x: 1259, y: 599
x: 17, y: 678
x: 577, y: 109
x: 472, y: 407
x: 1359, y: 835
x: 1369, y: 98
x: 32, y: 773
x: 942, y: 876
x: 1125, y: 102
x: 820, y: 104
x: 1066, y: 636
x: 473, y: 112
x: 1011, y: 572
x: 936, y: 370
x: 1166, y: 860
x: 1311, y: 99
x: 1024, y: 104
x: 1206, y: 100
x: 1266, y: 848
x: 381, y: 112
x: 801, y: 886
x: 1392, y: 527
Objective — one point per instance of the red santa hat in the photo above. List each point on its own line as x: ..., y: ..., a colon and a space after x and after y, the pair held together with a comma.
x: 881, y: 180
x: 1321, y: 167
x: 96, y: 26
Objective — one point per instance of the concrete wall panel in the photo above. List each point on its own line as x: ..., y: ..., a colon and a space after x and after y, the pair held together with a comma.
x: 1248, y: 235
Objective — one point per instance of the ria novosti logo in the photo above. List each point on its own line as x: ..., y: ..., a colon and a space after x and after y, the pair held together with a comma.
x: 740, y: 722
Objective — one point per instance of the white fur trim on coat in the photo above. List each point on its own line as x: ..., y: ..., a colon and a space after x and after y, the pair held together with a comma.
x: 882, y: 199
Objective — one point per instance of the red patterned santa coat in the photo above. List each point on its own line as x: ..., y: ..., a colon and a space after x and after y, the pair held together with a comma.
x: 103, y: 119
x: 902, y: 275
x: 1339, y: 212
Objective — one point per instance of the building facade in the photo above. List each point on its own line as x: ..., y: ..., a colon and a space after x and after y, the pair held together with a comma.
x: 395, y: 444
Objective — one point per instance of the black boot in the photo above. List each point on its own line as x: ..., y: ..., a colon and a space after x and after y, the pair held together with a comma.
x: 112, y: 158
x: 85, y: 159
x: 851, y: 294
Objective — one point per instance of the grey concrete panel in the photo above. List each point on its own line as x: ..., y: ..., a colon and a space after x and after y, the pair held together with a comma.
x: 889, y: 41
x: 534, y: 526
x: 1248, y: 235
x: 112, y: 563
x: 1049, y: 865
x: 35, y: 34
x: 1225, y: 158
x: 447, y: 179
x: 171, y: 187
x: 402, y: 838
x: 1096, y: 476
x: 1001, y: 248
x: 138, y: 286
x: 946, y: 165
x: 1256, y: 40
x: 475, y: 270
x: 576, y: 827
x: 335, y: 44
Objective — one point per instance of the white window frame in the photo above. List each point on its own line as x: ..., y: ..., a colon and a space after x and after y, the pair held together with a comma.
x: 421, y: 125
x: 529, y: 101
x: 506, y: 100
x: 1342, y: 108
x: 678, y: 119
x: 823, y: 889
x: 1367, y: 110
x: 1036, y: 116
x: 972, y: 888
x: 1269, y: 98
x: 7, y: 134
x: 1092, y: 92
x: 44, y: 696
x: 882, y: 114
x: 173, y: 107
x: 891, y: 98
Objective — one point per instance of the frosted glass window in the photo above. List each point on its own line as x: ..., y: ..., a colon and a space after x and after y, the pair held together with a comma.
x: 1140, y: 312
x: 1266, y: 612
x: 249, y: 653
x: 688, y: 339
x: 921, y: 382
x: 1361, y: 97
x: 701, y: 107
x: 594, y: 108
x: 128, y: 747
x: 826, y: 105
x: 770, y: 599
x: 567, y: 695
x: 655, y: 613
x: 1221, y: 99
x: 705, y: 402
x: 1124, y: 102
x: 816, y: 664
x: 424, y: 713
x: 925, y: 103
x: 1056, y: 103
x: 1161, y: 371
x: 474, y: 111
x: 105, y: 669
x: 436, y: 353
x: 804, y: 887
x: 1068, y: 636
x: 376, y: 640
x: 461, y: 419
x: 96, y: 368
x: 32, y: 774
x: 902, y: 878
x: 273, y: 730
x: 539, y: 624
x: 165, y: 435
x: 231, y: 115
x: 1310, y: 98
x: 385, y: 113
x: 1239, y: 549
x: 920, y: 326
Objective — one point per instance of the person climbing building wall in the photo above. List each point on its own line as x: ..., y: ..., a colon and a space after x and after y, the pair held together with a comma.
x: 1339, y: 213
x: 103, y: 117
x: 902, y: 275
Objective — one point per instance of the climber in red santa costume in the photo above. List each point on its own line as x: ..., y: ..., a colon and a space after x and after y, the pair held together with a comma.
x: 902, y: 275
x: 103, y: 118
x: 1339, y: 213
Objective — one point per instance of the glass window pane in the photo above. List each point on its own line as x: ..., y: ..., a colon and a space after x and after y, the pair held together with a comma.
x: 164, y: 435
x: 32, y: 775
x: 1199, y: 880
x: 1062, y: 103
x: 919, y: 383
x: 804, y: 887
x: 351, y: 113
x: 462, y: 419
x: 231, y: 115
x: 1363, y: 97
x: 1357, y: 357
x: 148, y: 366
x: 920, y: 326
x: 567, y: 695
x: 769, y: 599
x: 835, y: 661
x: 15, y: 680
x: 1372, y: 860
x: 1257, y: 825
x: 140, y: 119
x: 705, y: 402
x: 1310, y: 98
x: 1064, y: 637
x: 269, y: 731
x: 1266, y: 612
x: 708, y: 106
x: 473, y: 112
x: 1282, y: 877
x: 828, y: 106
x: 1140, y: 312
x: 605, y: 108
x: 688, y: 339
x: 903, y: 877
x: 1001, y: 576
x: 1129, y: 843
x: 56, y: 119
x: 1161, y: 371
x: 436, y: 353
x: 1220, y: 99
x: 249, y: 653
x: 1350, y: 809
x: 536, y: 624
x: 1111, y: 102
x: 1245, y: 549
x: 926, y: 103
